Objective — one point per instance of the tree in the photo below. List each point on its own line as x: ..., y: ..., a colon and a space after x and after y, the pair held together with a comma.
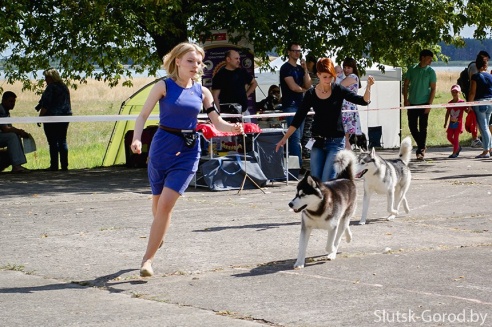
x: 96, y: 38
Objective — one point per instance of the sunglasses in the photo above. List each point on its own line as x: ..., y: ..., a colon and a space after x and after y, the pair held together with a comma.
x: 298, y: 51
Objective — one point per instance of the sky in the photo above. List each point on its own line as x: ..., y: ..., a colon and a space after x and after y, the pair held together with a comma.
x: 467, y: 32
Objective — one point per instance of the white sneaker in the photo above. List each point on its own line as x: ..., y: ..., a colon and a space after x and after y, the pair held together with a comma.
x: 476, y: 143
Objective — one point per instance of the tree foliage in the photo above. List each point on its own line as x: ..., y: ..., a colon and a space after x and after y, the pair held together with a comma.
x: 96, y: 38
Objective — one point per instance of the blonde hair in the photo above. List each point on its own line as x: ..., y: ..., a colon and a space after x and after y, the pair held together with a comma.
x: 178, y: 52
x: 53, y: 73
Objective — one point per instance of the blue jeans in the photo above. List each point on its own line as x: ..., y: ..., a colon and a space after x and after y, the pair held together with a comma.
x: 483, y: 114
x: 295, y: 148
x: 322, y: 159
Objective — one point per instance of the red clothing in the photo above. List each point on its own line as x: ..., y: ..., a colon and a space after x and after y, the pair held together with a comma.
x: 456, y: 115
x: 471, y: 124
x: 455, y: 118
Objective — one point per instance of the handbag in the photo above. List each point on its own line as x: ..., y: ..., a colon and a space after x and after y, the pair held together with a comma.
x: 227, y: 173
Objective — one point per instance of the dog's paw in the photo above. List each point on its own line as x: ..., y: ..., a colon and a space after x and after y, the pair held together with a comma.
x: 362, y: 222
x: 331, y: 256
x: 299, y: 265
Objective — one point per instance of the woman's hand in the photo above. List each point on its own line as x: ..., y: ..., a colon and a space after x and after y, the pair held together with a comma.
x: 237, y: 128
x: 370, y: 80
x: 280, y: 144
x: 136, y: 147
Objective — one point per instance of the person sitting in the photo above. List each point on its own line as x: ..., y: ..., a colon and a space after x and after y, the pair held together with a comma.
x: 272, y: 101
x: 11, y: 136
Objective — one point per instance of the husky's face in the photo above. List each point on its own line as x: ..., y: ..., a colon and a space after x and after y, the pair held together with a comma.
x: 365, y: 161
x: 308, y: 195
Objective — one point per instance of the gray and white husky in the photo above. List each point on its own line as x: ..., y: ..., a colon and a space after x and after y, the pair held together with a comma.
x: 328, y: 205
x: 390, y: 177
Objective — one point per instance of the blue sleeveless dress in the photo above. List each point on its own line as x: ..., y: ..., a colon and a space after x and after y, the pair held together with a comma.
x: 171, y: 163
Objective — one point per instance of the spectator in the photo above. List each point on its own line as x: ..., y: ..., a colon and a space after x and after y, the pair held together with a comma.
x: 455, y: 117
x: 294, y: 81
x: 306, y: 130
x: 272, y: 101
x: 11, y: 136
x: 472, y: 120
x: 233, y: 84
x: 481, y: 90
x: 350, y: 114
x: 55, y: 101
x: 419, y: 88
x: 340, y: 75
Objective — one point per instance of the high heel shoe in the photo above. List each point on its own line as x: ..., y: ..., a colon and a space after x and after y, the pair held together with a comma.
x: 146, y: 269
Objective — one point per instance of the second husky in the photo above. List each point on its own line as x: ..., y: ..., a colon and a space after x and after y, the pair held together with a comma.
x: 328, y: 206
x: 390, y: 177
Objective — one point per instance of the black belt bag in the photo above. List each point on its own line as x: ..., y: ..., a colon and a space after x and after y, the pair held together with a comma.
x: 189, y: 135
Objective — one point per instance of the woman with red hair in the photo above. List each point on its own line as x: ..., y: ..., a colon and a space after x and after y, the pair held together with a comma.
x: 327, y: 130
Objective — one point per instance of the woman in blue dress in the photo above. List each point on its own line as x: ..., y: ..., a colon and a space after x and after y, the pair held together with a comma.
x: 175, y: 149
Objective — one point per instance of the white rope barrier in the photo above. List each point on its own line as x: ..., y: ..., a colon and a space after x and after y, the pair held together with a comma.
x: 113, y: 118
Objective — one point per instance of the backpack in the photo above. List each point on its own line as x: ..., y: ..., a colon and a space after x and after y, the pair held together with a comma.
x: 464, y: 81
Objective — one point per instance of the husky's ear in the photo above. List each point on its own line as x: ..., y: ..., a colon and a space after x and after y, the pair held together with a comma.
x: 373, y: 152
x: 311, y: 181
x: 314, y: 184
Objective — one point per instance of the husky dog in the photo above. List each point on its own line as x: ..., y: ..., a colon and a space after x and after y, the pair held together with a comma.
x: 390, y: 177
x: 328, y: 206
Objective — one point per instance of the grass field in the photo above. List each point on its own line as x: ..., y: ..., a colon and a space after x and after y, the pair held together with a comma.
x: 88, y: 141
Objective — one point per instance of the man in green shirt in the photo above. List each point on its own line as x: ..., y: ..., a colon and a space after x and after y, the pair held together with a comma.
x: 419, y: 89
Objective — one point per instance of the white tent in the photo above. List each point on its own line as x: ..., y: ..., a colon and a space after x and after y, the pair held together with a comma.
x: 385, y: 94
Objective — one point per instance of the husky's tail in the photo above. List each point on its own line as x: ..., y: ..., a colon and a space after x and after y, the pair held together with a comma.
x: 406, y: 150
x: 344, y: 164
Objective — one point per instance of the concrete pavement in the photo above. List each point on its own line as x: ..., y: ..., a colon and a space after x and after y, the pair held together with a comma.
x: 72, y: 243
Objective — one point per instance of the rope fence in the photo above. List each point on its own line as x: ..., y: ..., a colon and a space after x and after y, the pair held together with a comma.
x: 113, y: 118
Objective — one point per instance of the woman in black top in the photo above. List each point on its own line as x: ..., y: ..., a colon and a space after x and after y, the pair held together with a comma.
x: 55, y: 101
x: 326, y: 99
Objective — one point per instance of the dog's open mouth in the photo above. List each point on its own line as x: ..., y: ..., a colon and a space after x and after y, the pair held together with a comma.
x: 300, y: 209
x: 361, y: 173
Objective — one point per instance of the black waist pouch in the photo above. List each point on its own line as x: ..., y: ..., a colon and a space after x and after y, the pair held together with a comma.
x: 190, y: 139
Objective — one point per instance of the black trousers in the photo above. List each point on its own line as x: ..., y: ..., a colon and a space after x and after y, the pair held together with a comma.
x: 417, y: 123
x: 56, y: 133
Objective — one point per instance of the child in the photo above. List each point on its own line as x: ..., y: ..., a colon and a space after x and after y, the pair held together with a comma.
x: 455, y: 115
x: 340, y: 76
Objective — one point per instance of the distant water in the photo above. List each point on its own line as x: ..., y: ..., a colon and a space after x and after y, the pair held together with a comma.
x: 449, y: 69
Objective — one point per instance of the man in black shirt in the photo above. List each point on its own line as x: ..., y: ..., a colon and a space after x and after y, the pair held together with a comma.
x: 232, y: 84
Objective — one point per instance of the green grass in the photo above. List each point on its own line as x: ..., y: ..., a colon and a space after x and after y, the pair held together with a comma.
x: 436, y: 133
x: 87, y: 142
